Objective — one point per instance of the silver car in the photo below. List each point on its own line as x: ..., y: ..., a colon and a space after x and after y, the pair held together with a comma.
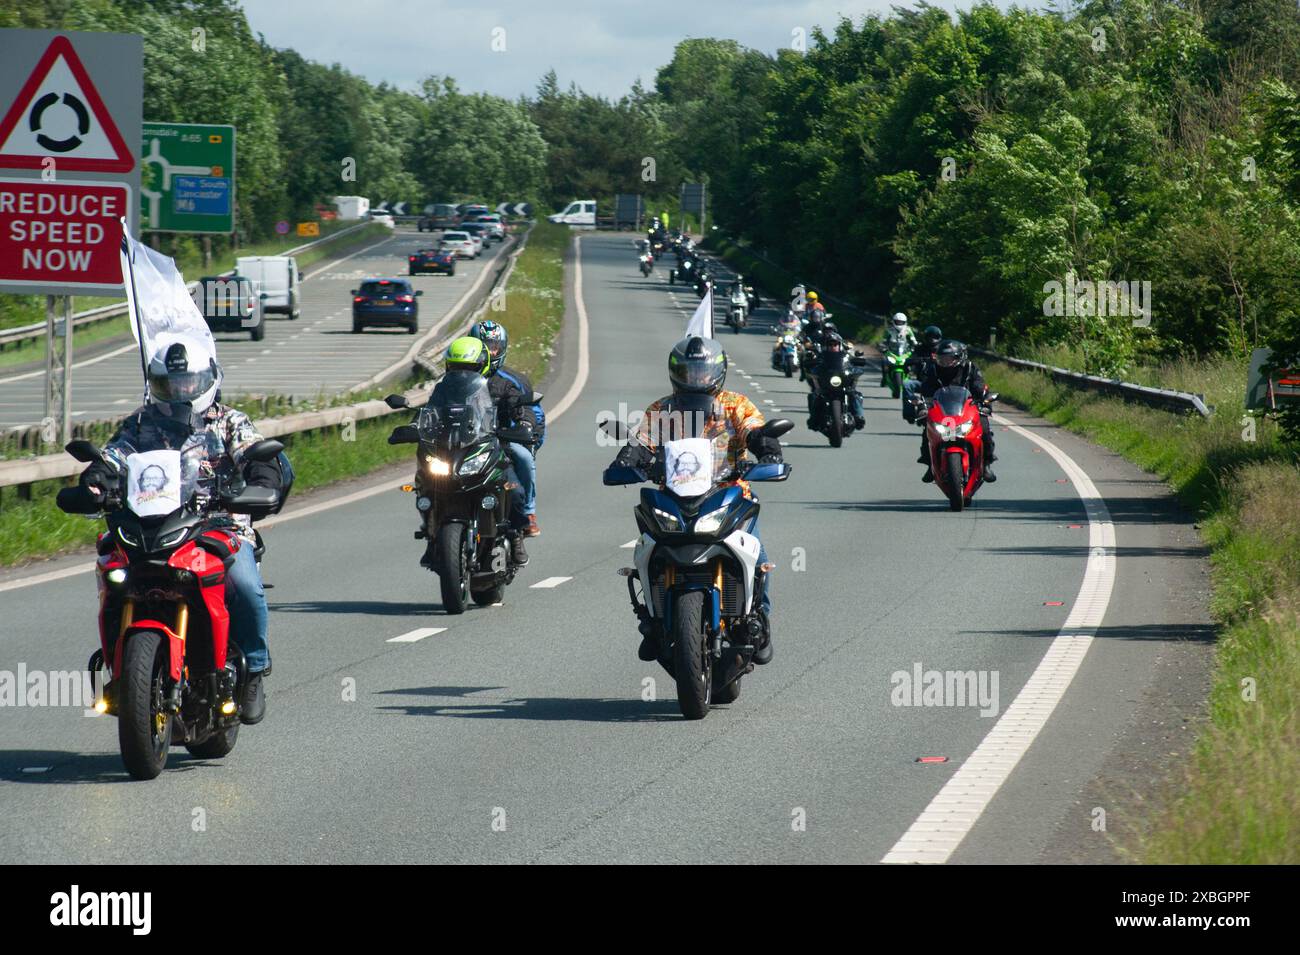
x: 459, y: 243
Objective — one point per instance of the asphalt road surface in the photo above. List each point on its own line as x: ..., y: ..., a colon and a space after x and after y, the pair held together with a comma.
x: 315, y: 355
x: 530, y: 731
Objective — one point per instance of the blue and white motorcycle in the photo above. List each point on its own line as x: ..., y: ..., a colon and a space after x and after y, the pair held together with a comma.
x: 697, y: 581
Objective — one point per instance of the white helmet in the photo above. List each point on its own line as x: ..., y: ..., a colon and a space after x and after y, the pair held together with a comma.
x: 899, y: 320
x: 183, y: 376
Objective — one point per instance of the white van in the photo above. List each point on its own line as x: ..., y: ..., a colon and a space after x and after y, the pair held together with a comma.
x: 578, y: 212
x: 352, y: 207
x: 277, y: 277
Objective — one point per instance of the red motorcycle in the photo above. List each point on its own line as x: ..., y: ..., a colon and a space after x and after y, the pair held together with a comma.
x: 174, y: 675
x: 955, y: 435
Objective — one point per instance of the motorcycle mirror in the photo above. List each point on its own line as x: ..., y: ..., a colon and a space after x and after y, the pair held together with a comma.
x: 991, y: 397
x: 777, y: 427
x: 253, y: 499
x: 264, y: 450
x: 396, y: 402
x: 83, y: 451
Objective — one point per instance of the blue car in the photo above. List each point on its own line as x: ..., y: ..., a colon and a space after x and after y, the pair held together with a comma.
x: 432, y: 260
x: 385, y: 302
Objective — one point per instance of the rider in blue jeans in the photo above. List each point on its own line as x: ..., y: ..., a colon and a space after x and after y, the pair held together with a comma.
x: 512, y: 393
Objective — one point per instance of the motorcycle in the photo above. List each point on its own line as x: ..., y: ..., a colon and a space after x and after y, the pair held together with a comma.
x: 462, y: 489
x: 174, y: 676
x: 955, y: 435
x: 703, y: 281
x: 738, y: 310
x: 785, y: 356
x: 696, y: 566
x: 833, y: 378
x: 896, y: 353
x: 682, y: 272
x: 647, y: 262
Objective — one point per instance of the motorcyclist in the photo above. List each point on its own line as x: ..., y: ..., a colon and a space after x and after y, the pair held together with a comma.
x: 697, y: 367
x: 512, y: 393
x: 182, y: 413
x: 814, y: 306
x: 815, y: 327
x: 952, y: 366
x: 924, y: 351
x: 833, y: 344
x: 897, y: 331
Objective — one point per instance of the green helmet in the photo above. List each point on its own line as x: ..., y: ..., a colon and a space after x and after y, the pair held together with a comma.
x: 468, y: 354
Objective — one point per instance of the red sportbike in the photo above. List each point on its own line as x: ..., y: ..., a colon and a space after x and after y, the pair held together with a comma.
x: 174, y: 676
x: 955, y: 437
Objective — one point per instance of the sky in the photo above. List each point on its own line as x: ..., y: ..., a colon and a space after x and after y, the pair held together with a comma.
x: 505, y: 47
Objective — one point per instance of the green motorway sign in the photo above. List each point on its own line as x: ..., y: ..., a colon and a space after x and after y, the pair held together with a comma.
x: 187, y: 178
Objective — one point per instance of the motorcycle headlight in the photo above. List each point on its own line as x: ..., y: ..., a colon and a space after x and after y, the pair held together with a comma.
x: 963, y: 429
x: 439, y: 467
x: 175, y: 537
x: 116, y: 576
x: 475, y: 462
x: 710, y: 523
x: 667, y: 521
x: 127, y: 539
x: 836, y: 381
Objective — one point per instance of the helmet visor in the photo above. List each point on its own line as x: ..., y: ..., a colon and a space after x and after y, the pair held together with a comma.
x: 495, y: 346
x: 948, y: 361
x: 182, y: 385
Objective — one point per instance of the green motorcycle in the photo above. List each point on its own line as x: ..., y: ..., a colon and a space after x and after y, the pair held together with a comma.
x: 896, y: 353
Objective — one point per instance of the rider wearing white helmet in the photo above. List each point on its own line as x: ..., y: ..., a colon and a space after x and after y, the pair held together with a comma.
x: 183, y: 413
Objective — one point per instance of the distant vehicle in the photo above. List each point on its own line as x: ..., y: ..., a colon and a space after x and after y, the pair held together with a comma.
x: 495, y: 226
x: 352, y: 207
x: 453, y: 240
x: 436, y: 261
x: 385, y: 302
x: 278, y: 279
x: 578, y: 212
x: 471, y: 209
x: 440, y: 215
x: 231, y: 303
x: 383, y: 218
x: 479, y: 230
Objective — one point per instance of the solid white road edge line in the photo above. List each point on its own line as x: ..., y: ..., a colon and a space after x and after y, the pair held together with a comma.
x: 951, y: 815
x: 415, y: 635
x: 580, y: 381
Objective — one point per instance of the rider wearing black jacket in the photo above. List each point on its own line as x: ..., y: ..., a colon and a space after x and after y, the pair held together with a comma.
x: 951, y: 365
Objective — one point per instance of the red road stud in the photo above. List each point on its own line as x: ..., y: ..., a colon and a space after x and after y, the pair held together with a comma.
x: 932, y: 759
x: 1062, y: 480
x: 1073, y: 527
x: 1053, y: 603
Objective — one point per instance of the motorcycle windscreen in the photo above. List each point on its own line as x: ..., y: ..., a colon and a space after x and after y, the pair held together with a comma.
x: 460, y: 410
x: 688, y: 466
x: 834, y: 363
x: 154, y: 484
x: 952, y: 400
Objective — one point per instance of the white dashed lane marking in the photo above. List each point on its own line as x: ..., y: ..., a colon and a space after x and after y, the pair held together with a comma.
x: 549, y: 582
x: 415, y: 635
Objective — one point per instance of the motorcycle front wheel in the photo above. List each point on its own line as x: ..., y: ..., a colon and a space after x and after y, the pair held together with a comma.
x: 836, y: 413
x: 453, y: 562
x: 144, y: 730
x: 956, y: 481
x: 692, y: 666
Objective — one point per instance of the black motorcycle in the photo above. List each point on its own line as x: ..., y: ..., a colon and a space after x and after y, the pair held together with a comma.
x: 833, y: 379
x: 683, y: 272
x: 463, y: 489
x: 703, y: 281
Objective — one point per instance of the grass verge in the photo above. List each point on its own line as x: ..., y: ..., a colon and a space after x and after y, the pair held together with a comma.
x: 534, y: 300
x: 1238, y: 799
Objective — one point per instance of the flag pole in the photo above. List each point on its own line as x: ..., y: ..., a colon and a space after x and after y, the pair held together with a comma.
x: 129, y: 254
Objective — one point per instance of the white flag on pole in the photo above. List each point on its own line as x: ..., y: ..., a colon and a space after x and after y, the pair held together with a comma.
x: 701, y: 322
x: 160, y: 304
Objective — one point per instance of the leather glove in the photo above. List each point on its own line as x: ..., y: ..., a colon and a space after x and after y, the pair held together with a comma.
x: 634, y: 456
x: 101, y: 475
x: 263, y: 474
x: 762, y: 446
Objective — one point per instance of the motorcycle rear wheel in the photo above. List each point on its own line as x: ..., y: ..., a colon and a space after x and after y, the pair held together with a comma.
x: 217, y: 745
x: 956, y: 481
x: 452, y: 564
x: 692, y: 666
x: 144, y: 730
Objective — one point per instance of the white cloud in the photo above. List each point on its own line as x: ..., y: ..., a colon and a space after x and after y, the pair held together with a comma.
x: 602, y: 45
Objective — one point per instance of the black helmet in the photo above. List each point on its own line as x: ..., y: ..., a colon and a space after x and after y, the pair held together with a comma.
x: 697, y: 366
x: 950, y: 360
x: 933, y: 334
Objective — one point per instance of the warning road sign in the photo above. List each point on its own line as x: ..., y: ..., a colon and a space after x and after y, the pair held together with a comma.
x: 70, y: 106
x: 58, y: 114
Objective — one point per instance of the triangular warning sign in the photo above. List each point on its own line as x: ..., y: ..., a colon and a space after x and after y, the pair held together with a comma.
x: 58, y: 114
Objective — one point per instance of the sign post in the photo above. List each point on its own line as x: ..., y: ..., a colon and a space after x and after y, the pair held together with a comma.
x: 70, y: 111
